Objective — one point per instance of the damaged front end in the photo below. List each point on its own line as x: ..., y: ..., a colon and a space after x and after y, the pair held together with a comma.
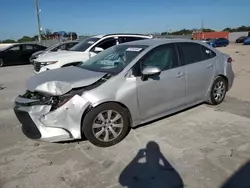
x: 51, y: 118
x: 52, y: 110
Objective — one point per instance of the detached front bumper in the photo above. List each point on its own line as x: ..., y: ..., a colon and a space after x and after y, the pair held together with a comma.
x: 40, y: 123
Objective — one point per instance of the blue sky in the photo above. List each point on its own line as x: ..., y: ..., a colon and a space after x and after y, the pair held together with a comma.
x: 104, y: 16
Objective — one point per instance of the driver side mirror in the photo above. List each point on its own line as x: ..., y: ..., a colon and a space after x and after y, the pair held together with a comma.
x: 150, y: 71
x: 98, y: 49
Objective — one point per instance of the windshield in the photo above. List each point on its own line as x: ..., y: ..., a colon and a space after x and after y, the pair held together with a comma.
x: 84, y: 45
x: 52, y: 47
x: 114, y: 59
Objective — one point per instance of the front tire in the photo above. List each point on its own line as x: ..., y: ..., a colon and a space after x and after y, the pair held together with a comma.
x: 106, y: 125
x: 218, y: 91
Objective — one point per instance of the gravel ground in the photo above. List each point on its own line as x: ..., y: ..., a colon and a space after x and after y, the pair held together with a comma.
x: 201, y: 147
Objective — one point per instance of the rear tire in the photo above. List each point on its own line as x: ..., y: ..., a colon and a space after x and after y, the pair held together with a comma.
x: 1, y: 62
x: 106, y: 125
x: 218, y: 91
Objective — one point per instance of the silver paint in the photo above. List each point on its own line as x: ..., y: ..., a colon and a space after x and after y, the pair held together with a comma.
x: 176, y: 89
x: 67, y: 116
x: 60, y: 81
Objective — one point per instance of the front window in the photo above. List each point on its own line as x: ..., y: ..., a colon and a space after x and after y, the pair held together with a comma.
x: 84, y: 45
x: 15, y: 48
x: 114, y: 59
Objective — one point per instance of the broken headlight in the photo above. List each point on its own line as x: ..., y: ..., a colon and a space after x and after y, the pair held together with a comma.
x: 58, y: 101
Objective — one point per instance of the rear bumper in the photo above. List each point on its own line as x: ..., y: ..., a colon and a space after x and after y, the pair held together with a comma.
x: 40, y: 123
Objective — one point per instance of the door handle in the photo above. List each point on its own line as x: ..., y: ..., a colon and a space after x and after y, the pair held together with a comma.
x: 209, y: 65
x: 179, y: 75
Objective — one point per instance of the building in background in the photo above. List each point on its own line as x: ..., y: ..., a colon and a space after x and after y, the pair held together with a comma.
x: 235, y: 35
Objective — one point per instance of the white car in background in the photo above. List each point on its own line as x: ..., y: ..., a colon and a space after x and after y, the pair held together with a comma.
x: 83, y: 51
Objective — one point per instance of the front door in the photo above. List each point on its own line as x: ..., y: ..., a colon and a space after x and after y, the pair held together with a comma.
x: 159, y: 94
x: 199, y: 69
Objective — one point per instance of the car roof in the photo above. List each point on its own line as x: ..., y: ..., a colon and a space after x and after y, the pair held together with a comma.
x: 156, y: 42
x: 122, y: 34
x: 69, y: 42
x: 6, y: 45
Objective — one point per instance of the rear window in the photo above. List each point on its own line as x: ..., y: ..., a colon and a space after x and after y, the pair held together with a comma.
x: 207, y: 53
x: 193, y: 52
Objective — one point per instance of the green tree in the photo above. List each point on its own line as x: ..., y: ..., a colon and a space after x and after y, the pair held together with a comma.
x: 208, y: 30
x: 47, y: 33
x: 8, y: 41
x: 238, y: 29
x: 25, y: 39
x: 182, y: 32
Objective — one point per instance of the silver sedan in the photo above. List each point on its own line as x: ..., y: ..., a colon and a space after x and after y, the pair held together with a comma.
x: 122, y: 87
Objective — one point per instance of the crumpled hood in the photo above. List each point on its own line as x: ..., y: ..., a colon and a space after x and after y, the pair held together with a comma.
x: 60, y: 81
x: 55, y: 56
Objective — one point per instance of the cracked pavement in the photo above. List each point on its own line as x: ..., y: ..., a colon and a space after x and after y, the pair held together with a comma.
x: 200, y: 147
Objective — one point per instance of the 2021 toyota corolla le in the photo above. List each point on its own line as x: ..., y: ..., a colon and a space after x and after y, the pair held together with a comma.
x: 122, y: 87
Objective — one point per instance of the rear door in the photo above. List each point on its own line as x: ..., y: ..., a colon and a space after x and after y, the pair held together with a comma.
x: 159, y: 94
x: 12, y: 56
x: 199, y: 69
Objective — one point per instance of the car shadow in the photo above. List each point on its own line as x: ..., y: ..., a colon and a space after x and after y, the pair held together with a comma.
x: 150, y: 169
x: 240, y: 179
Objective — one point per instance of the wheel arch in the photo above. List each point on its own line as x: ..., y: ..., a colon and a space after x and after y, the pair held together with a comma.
x: 224, y: 77
x: 91, y: 106
x: 217, y: 76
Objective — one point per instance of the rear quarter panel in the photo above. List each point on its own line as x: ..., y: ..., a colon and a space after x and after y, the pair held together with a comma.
x: 224, y: 68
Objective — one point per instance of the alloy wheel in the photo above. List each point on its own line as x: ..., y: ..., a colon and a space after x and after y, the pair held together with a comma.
x: 219, y: 91
x: 107, y: 125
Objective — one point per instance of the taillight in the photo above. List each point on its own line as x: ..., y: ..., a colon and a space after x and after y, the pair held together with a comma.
x: 229, y: 60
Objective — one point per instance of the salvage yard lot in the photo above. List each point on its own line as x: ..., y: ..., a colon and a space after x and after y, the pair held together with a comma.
x: 200, y: 147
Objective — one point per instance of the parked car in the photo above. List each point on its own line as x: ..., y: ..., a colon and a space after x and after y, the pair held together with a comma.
x: 122, y: 87
x: 219, y: 42
x: 205, y: 40
x: 241, y: 39
x: 247, y: 41
x: 83, y: 51
x: 54, y: 48
x: 17, y: 53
